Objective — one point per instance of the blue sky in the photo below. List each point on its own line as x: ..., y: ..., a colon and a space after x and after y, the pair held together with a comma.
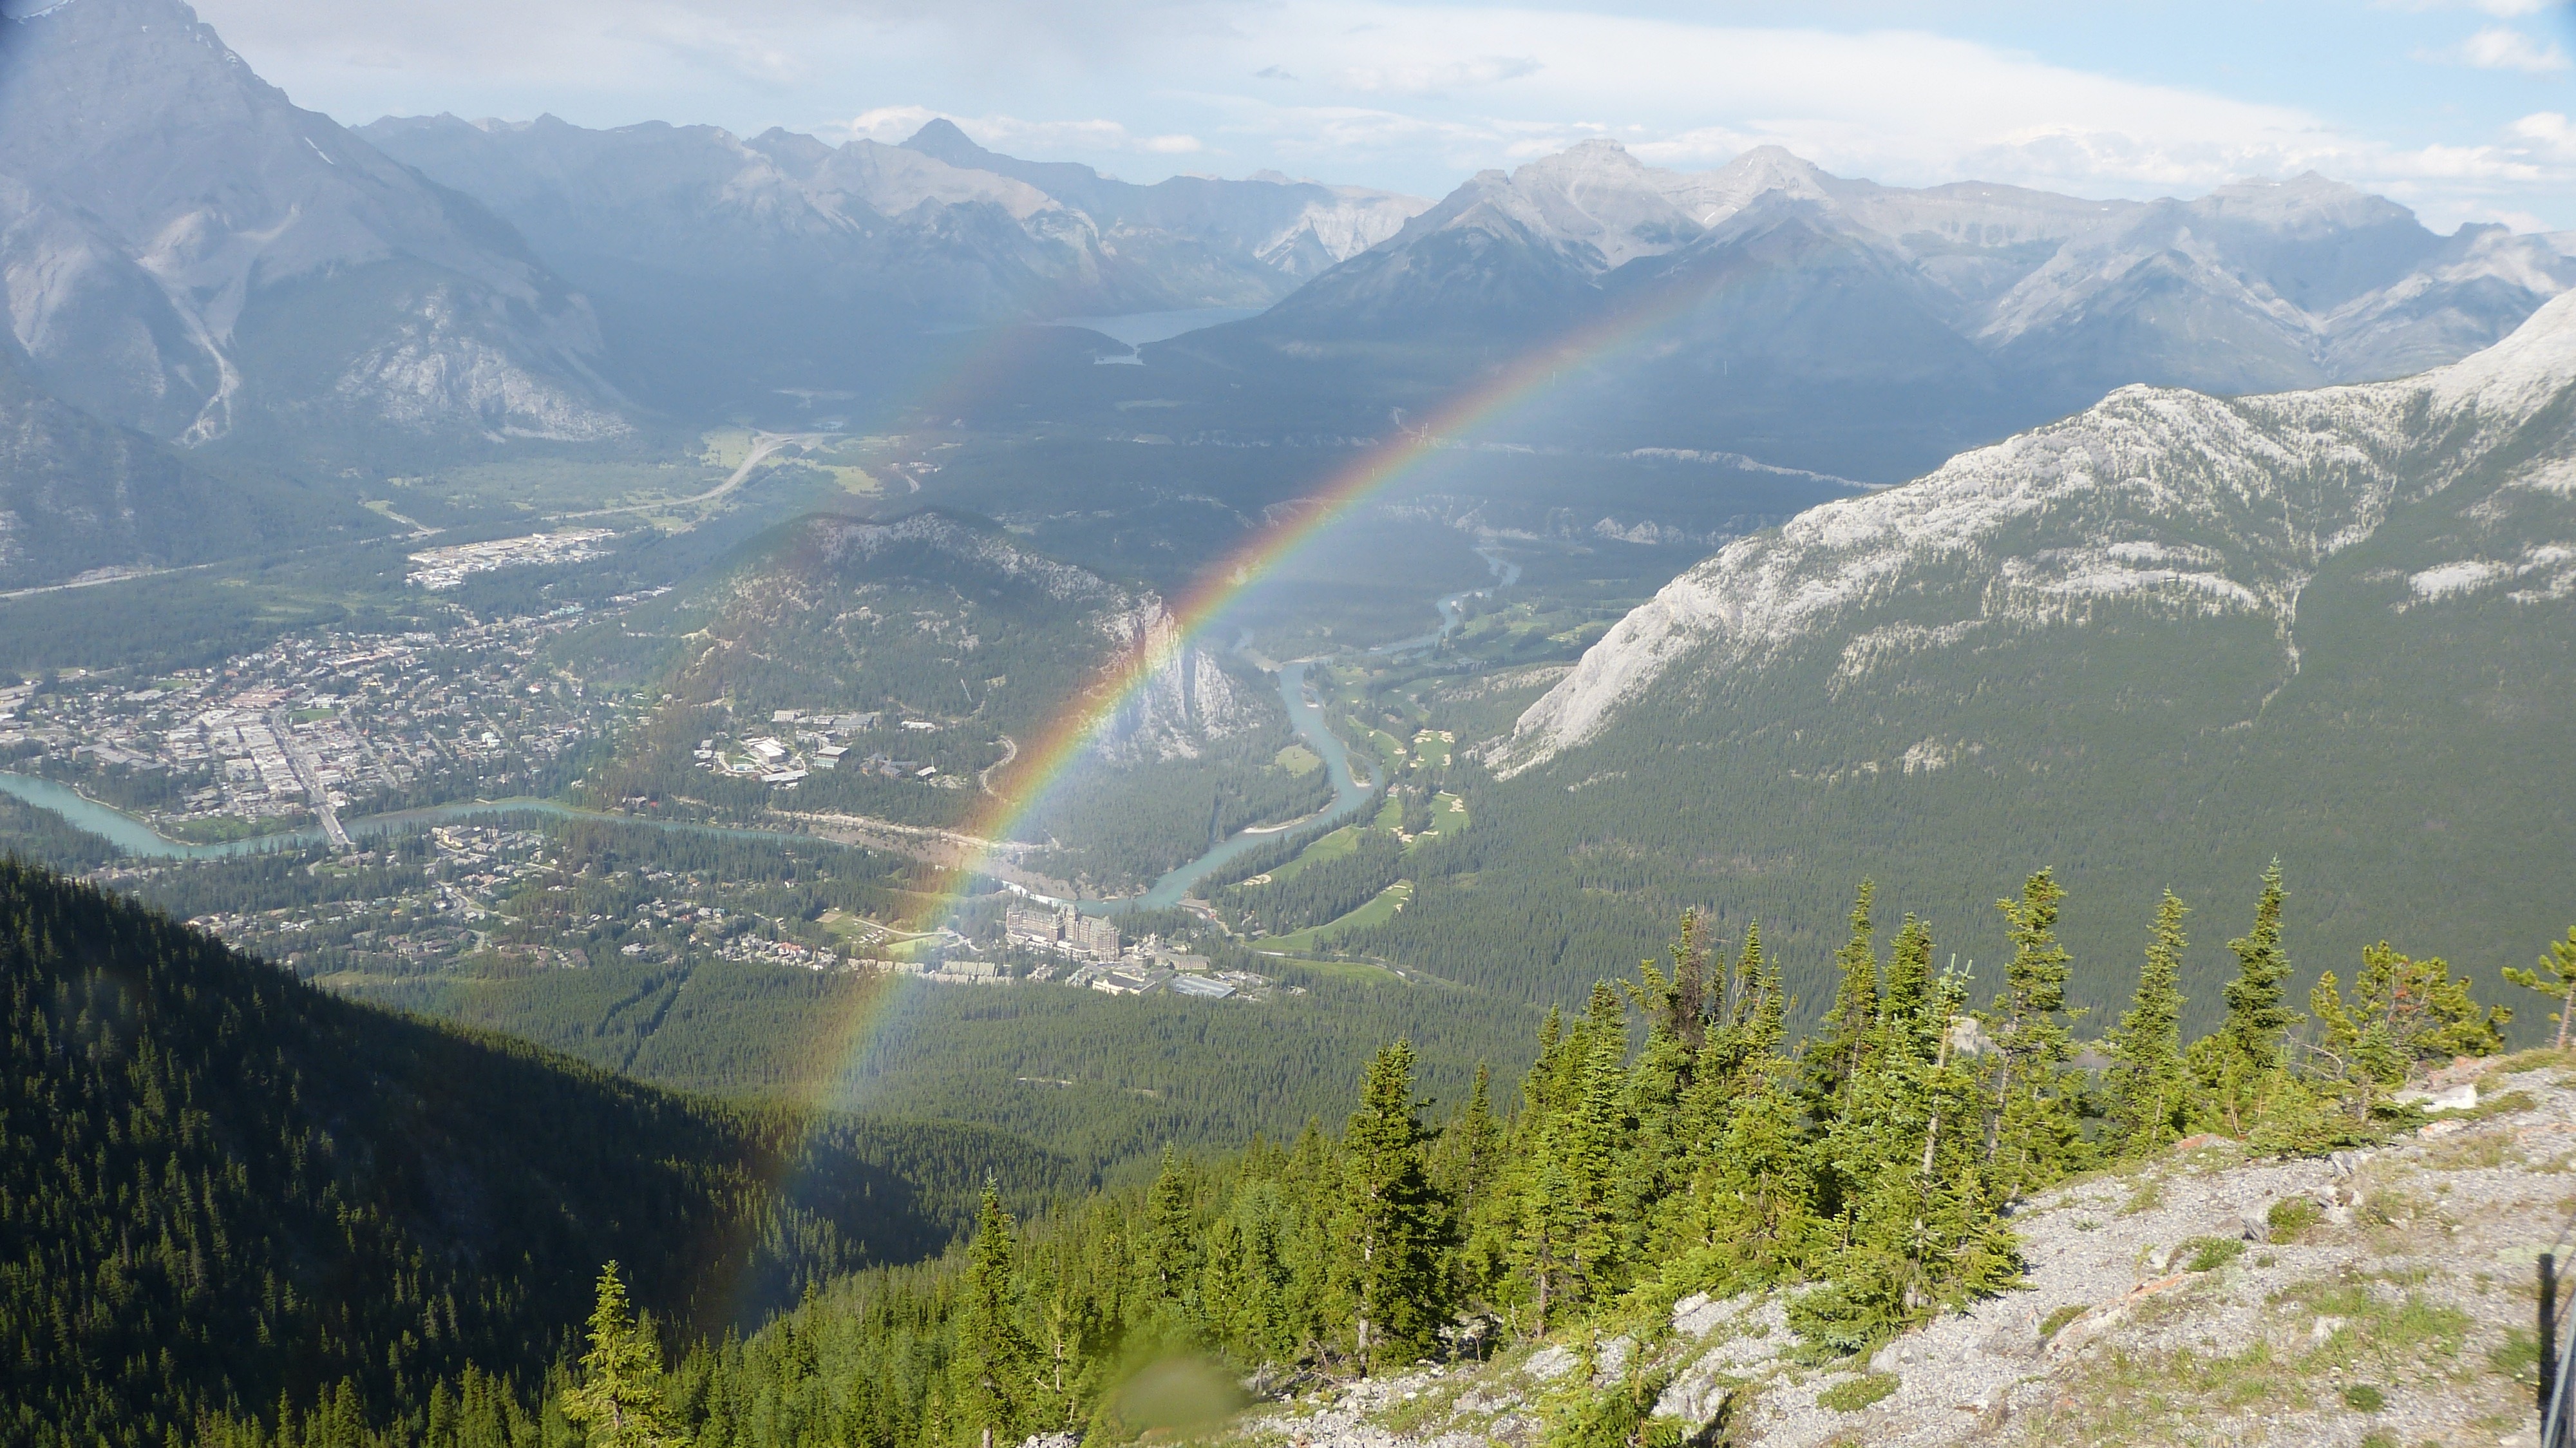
x: 2459, y: 108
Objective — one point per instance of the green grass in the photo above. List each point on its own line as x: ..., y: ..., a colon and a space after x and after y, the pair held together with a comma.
x: 2208, y: 1254
x: 2291, y: 1218
x: 1299, y: 760
x: 1380, y: 909
x: 1351, y: 971
x: 1853, y: 1394
x: 1389, y: 750
x: 1448, y: 817
x: 1331, y: 847
x: 557, y: 484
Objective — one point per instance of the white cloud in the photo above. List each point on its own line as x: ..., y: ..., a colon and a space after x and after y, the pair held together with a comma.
x: 886, y: 124
x: 2501, y: 47
x: 2547, y: 132
x: 1438, y: 77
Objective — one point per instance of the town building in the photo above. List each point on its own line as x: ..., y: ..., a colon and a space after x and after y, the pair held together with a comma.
x: 1092, y: 935
x: 1031, y: 925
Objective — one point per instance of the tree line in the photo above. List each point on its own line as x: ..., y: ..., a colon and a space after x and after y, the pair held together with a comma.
x: 1669, y: 1139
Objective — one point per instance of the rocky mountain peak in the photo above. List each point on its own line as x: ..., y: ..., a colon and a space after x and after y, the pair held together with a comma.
x: 942, y: 137
x: 2513, y: 379
x: 2304, y: 204
x: 1710, y: 197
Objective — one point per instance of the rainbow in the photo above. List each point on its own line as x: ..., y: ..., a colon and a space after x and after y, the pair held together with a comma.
x: 1049, y: 760
x: 1046, y: 762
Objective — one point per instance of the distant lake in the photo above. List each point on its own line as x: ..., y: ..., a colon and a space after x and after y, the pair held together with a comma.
x: 1138, y: 328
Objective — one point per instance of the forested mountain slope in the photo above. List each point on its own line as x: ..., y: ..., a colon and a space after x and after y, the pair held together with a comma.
x: 2155, y: 644
x: 77, y: 493
x: 221, y: 1187
x: 964, y: 644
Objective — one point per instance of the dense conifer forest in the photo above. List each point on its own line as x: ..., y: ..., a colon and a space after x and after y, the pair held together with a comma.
x: 223, y: 1190
x: 241, y: 1212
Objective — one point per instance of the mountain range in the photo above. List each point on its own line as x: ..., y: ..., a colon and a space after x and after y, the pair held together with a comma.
x: 187, y: 254
x: 798, y: 259
x: 1811, y: 320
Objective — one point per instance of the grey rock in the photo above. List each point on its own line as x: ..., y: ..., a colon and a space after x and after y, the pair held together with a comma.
x: 2463, y: 1097
x: 1550, y: 1363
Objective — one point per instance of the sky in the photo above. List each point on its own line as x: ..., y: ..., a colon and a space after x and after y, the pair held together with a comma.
x: 2462, y: 109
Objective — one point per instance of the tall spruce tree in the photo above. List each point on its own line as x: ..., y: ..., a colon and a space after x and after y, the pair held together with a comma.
x: 1751, y: 1208
x: 1851, y: 1028
x: 2148, y: 1086
x: 1909, y: 983
x: 1686, y: 1016
x: 2034, y: 1132
x: 2241, y: 1067
x: 1394, y: 1221
x: 993, y: 1376
x: 617, y: 1399
x: 1470, y: 1147
x: 1170, y: 1249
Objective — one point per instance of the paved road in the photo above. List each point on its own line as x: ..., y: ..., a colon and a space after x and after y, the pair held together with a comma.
x: 310, y: 773
x: 762, y: 445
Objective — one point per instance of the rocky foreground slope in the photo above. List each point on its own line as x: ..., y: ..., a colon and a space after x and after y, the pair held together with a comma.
x: 2382, y: 1296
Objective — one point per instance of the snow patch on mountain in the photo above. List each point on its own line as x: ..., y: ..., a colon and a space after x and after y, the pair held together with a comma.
x: 2464, y: 576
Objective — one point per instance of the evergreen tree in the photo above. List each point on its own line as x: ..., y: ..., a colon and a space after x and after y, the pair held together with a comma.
x: 2033, y: 1132
x: 1909, y: 983
x: 1851, y: 1028
x: 1750, y: 1022
x: 1686, y: 1013
x: 1470, y: 1147
x: 2240, y: 1066
x: 617, y: 1402
x: 2148, y: 1087
x: 2556, y: 979
x: 2402, y: 1013
x: 992, y: 1376
x: 1393, y: 1220
x: 1169, y: 1257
